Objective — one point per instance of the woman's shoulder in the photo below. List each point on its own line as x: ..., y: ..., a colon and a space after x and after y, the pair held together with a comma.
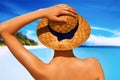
x: 92, y: 61
x: 94, y: 64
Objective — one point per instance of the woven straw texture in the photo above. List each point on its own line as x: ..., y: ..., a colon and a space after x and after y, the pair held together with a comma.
x: 64, y: 27
x: 51, y: 41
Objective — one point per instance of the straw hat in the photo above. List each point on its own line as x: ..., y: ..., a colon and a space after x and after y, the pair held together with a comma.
x: 63, y: 36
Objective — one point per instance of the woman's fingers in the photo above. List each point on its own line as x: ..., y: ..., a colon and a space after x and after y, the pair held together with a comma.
x: 59, y: 19
x: 65, y: 9
x: 54, y: 12
x: 67, y: 12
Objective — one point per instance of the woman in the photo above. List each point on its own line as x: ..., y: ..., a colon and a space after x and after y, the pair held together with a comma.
x: 64, y: 66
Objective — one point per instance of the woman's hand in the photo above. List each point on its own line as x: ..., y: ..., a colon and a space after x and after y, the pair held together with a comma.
x: 53, y: 12
x: 9, y: 27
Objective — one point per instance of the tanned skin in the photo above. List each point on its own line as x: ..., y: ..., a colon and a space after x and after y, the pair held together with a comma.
x: 64, y: 66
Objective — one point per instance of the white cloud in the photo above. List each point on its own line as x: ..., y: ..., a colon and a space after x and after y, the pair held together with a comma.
x: 32, y: 35
x: 103, y: 40
x: 93, y: 39
x: 29, y: 32
x: 117, y: 33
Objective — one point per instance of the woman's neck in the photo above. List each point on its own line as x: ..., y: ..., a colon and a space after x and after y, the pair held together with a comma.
x: 63, y: 53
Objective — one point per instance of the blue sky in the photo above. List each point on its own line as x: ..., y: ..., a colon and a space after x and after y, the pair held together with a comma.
x: 102, y: 15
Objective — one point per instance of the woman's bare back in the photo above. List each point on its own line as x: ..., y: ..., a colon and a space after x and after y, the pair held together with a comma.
x: 72, y: 69
x: 60, y: 68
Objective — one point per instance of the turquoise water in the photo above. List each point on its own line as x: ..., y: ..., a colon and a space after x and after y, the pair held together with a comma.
x: 109, y: 58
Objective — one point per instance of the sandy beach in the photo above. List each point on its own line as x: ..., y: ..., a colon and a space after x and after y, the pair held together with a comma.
x: 35, y: 47
x: 9, y: 64
x: 4, y: 48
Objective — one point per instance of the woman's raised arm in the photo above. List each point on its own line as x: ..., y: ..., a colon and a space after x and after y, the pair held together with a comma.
x: 8, y: 28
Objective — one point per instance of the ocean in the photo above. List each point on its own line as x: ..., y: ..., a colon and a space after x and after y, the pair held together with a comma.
x: 108, y: 57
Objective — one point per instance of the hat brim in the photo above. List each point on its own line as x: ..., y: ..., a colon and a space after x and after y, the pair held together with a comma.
x: 51, y: 41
